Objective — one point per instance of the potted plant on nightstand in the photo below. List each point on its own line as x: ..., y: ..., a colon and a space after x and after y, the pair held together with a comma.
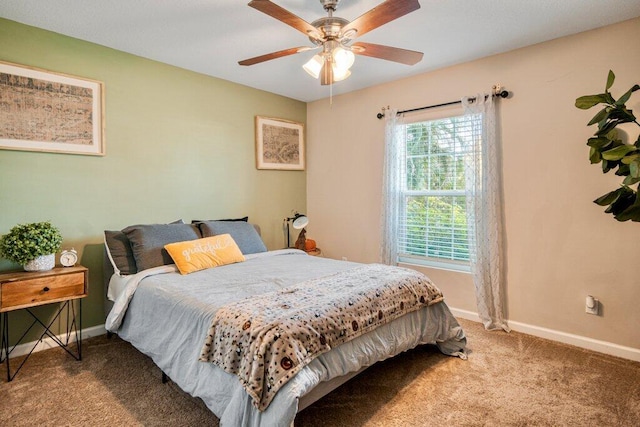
x: 32, y: 245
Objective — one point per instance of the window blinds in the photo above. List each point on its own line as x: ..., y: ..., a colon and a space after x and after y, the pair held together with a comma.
x: 433, y: 212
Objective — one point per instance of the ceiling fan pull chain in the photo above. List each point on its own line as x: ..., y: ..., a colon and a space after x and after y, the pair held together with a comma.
x: 331, y: 93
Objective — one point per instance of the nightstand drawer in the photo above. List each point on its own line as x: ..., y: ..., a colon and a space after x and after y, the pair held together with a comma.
x: 41, y: 290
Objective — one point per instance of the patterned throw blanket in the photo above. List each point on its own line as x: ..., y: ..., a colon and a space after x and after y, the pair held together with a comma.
x: 265, y: 340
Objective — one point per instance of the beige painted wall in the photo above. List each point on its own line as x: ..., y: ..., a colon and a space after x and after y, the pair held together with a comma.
x: 179, y: 145
x: 559, y: 245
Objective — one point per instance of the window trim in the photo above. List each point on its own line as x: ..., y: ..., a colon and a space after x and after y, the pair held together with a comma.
x: 440, y: 264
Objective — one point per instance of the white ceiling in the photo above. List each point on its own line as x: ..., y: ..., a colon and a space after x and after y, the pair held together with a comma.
x: 211, y: 36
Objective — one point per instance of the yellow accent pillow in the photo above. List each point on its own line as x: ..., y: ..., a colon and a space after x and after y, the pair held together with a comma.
x: 196, y: 255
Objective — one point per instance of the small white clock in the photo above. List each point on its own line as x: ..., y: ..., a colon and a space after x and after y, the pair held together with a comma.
x: 68, y: 258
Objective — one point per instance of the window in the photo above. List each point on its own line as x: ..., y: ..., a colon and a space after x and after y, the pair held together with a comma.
x: 433, y: 227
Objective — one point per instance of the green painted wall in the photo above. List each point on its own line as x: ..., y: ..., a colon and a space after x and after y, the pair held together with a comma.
x: 178, y: 145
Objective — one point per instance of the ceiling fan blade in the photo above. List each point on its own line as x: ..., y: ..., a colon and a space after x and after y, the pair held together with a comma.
x: 283, y: 15
x: 380, y: 15
x: 274, y: 55
x: 403, y: 56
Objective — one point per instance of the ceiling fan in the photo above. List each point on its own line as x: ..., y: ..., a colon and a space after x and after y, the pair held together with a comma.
x: 333, y: 35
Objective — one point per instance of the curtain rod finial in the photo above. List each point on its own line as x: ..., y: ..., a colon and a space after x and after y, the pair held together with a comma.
x: 381, y: 115
x: 498, y: 90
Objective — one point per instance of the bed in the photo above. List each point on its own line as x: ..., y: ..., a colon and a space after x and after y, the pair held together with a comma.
x: 168, y: 316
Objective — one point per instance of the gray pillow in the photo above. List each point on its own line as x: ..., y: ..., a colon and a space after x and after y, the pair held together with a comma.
x: 147, y: 242
x: 245, y: 235
x: 120, y: 254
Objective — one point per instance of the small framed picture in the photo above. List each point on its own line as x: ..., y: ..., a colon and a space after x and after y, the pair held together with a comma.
x: 51, y: 112
x: 279, y: 144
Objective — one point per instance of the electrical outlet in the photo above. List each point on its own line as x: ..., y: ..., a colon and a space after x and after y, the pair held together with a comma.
x: 591, y: 305
x: 344, y: 258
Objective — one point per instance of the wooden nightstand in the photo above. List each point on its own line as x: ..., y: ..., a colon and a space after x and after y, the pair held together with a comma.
x: 24, y: 290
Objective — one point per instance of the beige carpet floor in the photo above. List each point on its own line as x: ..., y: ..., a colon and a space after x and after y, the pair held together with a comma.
x: 509, y: 380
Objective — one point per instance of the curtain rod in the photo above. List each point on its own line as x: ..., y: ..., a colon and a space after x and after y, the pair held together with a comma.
x: 497, y: 91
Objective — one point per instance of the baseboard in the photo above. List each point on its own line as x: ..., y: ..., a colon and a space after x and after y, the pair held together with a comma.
x: 563, y: 337
x: 537, y: 331
x: 48, y: 343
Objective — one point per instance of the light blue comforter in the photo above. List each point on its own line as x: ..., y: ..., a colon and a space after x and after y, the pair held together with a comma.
x: 166, y: 316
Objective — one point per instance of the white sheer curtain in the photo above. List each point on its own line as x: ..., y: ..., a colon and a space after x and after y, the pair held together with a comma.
x: 393, y: 139
x: 484, y: 209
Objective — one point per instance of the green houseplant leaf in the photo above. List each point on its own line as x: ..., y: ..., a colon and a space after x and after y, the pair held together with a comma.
x: 631, y: 212
x: 601, y: 116
x: 607, y: 166
x: 588, y: 101
x: 634, y: 168
x: 606, y: 147
x: 630, y: 158
x: 626, y: 199
x: 629, y: 180
x: 624, y: 98
x: 598, y: 143
x: 610, y: 79
x: 618, y: 153
x: 623, y: 170
x: 609, y: 198
x: 26, y: 242
x: 594, y: 155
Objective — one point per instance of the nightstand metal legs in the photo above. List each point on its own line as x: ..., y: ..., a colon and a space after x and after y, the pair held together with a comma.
x: 4, y: 342
x: 73, y: 325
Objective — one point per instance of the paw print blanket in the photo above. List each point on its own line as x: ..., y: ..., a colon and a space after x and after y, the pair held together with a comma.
x: 266, y: 339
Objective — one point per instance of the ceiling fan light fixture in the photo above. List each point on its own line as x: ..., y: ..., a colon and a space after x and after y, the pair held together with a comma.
x: 313, y: 66
x: 343, y: 58
x: 340, y: 74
